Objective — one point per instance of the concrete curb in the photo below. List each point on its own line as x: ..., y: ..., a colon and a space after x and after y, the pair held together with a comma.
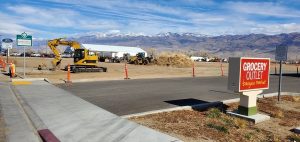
x: 48, y: 136
x: 205, y: 106
x: 29, y: 79
x: 257, y: 118
x: 32, y: 79
x: 198, y: 107
x: 119, y: 79
x: 92, y: 80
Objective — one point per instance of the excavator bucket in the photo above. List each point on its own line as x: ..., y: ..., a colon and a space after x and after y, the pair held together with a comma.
x: 56, y: 65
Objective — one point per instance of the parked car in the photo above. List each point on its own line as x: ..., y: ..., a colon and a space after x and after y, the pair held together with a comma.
x: 36, y: 55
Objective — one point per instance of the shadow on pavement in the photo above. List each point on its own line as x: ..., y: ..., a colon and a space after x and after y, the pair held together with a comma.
x: 186, y: 102
x: 288, y: 74
x: 199, y: 105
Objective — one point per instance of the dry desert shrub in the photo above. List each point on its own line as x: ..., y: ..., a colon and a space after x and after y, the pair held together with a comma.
x: 240, y: 123
x: 296, y: 98
x: 173, y: 59
x: 278, y: 113
x: 291, y: 98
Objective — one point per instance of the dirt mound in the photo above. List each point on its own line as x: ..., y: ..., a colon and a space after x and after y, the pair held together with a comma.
x: 174, y: 59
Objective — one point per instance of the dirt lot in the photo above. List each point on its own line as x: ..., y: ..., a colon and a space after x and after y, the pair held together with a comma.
x: 116, y: 70
x: 192, y: 125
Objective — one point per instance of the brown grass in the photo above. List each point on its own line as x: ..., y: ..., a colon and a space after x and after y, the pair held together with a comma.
x: 296, y: 98
x: 288, y: 117
x: 195, y: 126
x: 212, y: 124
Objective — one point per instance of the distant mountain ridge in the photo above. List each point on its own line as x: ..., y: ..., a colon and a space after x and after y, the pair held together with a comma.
x: 192, y: 41
x: 224, y: 45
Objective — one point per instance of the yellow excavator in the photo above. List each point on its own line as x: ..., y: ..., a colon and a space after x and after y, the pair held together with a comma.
x: 84, y: 60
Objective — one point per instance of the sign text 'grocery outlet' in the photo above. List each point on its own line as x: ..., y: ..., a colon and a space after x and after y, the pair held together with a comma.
x: 254, y: 74
x: 247, y: 74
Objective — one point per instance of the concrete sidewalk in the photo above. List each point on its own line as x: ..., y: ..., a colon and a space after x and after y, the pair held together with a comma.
x: 72, y: 119
x: 18, y: 127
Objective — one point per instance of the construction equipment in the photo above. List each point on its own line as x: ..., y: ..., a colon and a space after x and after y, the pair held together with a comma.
x: 123, y: 59
x: 139, y: 59
x: 84, y: 60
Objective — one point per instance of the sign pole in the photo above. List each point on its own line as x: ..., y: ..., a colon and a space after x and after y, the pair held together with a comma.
x: 24, y: 63
x: 280, y: 80
x: 7, y: 54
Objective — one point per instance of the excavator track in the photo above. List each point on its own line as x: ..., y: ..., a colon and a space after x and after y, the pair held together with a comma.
x: 78, y: 68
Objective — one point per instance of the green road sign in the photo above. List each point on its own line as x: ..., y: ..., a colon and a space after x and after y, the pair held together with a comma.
x: 24, y: 40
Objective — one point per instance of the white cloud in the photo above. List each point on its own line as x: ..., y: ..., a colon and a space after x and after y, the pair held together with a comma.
x: 61, y: 18
x: 143, y: 11
x: 97, y: 24
x: 276, y: 28
x: 51, y: 17
x: 9, y: 26
x: 263, y: 8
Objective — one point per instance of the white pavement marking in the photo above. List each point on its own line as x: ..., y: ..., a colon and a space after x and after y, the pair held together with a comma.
x: 72, y: 119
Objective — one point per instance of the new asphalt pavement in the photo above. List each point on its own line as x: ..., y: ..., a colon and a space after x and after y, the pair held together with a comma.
x: 125, y: 97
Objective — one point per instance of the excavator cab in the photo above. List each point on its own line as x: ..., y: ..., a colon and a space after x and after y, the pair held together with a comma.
x: 85, y: 57
x: 79, y: 54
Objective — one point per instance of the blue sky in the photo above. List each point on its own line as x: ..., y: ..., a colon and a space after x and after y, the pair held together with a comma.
x: 57, y: 18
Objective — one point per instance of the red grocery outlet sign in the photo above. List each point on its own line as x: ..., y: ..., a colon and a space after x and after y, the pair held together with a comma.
x: 254, y: 74
x: 247, y: 74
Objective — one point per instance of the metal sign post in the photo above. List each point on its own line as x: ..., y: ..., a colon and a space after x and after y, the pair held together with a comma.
x: 7, y: 54
x: 280, y: 80
x: 24, y: 40
x: 281, y: 55
x: 24, y: 63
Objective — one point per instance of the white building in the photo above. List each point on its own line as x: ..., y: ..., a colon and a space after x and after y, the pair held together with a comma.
x: 114, y: 51
x: 198, y: 59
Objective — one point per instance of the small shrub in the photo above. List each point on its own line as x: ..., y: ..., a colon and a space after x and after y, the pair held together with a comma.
x: 294, y: 138
x: 257, y: 129
x: 239, y: 123
x: 248, y: 135
x: 278, y: 114
x: 228, y: 122
x: 296, y: 98
x: 217, y: 127
x: 213, y: 113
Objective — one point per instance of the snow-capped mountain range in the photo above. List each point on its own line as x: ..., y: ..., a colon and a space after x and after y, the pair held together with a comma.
x: 224, y: 45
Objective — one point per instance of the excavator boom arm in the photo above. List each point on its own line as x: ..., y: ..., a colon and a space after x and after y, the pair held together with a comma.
x: 53, y: 46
